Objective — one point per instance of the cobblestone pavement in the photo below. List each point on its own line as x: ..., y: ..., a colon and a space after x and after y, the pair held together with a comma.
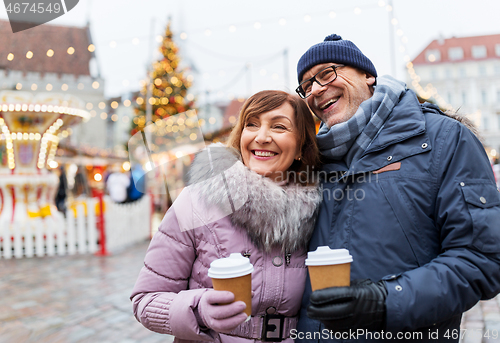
x: 85, y: 298
x: 481, y: 324
x: 79, y: 298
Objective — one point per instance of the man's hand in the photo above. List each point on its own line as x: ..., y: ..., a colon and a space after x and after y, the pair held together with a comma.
x: 360, y: 306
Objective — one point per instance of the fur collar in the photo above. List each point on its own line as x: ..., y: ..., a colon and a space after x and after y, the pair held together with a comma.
x: 272, y: 214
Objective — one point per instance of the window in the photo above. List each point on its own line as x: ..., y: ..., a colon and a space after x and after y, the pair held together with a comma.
x: 448, y: 74
x: 432, y: 55
x: 449, y: 97
x: 464, y: 98
x: 484, y: 97
x: 482, y: 70
x: 498, y: 96
x: 497, y: 69
x: 485, y: 123
x: 434, y: 74
x: 497, y: 49
x: 456, y: 53
x: 463, y: 72
x: 478, y: 51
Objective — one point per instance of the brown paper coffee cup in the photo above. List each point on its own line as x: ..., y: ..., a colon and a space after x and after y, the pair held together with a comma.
x: 241, y: 287
x: 234, y: 274
x: 330, y: 276
x: 329, y: 268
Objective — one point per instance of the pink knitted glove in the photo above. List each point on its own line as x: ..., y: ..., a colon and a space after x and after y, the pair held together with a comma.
x: 219, y: 313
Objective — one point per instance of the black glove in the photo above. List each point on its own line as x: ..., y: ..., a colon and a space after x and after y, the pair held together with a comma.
x: 360, y: 306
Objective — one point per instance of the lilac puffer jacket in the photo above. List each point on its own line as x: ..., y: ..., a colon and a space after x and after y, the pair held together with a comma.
x: 234, y: 211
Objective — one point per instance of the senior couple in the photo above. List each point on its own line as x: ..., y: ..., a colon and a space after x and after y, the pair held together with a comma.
x: 425, y: 236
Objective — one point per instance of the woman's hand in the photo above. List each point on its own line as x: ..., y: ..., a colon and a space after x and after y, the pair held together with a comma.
x: 218, y: 311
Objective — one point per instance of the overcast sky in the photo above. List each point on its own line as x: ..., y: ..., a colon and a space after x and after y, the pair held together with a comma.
x: 238, y: 46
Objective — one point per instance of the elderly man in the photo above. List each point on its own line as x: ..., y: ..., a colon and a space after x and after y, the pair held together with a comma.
x: 409, y: 192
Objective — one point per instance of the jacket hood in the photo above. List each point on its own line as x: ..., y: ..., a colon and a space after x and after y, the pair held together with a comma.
x: 271, y: 214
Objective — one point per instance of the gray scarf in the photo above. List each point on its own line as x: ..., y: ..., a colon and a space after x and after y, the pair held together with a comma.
x: 348, y: 140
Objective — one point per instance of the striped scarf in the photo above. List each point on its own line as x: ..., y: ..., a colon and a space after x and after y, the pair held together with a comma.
x: 348, y: 140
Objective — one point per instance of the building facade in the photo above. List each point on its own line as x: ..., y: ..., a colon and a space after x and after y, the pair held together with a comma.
x: 56, y: 59
x: 464, y: 74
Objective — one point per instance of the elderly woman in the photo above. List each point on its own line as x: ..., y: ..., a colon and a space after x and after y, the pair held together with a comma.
x: 267, y: 170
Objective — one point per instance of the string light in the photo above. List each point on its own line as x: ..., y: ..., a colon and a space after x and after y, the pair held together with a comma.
x: 429, y: 90
x: 50, y: 53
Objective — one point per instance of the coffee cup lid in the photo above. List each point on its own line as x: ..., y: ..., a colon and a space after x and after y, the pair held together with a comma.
x: 326, y: 256
x: 229, y: 267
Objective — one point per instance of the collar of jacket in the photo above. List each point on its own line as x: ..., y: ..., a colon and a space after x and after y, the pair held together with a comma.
x: 272, y: 214
x: 403, y: 135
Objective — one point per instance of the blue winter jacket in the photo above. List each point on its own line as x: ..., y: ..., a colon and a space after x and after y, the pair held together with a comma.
x: 430, y: 227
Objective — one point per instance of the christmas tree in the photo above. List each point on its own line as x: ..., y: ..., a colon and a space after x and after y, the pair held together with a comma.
x: 170, y: 86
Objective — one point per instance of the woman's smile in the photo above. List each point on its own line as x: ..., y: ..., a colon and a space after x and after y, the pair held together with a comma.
x: 263, y: 154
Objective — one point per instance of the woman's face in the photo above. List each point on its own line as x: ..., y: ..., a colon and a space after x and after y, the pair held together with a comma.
x: 269, y: 142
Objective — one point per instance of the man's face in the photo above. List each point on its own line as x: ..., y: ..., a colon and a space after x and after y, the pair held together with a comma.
x: 338, y: 101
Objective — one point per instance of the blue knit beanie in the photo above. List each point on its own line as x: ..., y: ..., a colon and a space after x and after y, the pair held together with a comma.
x: 336, y: 50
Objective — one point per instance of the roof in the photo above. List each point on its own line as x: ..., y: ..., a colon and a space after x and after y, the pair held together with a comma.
x: 466, y: 43
x: 39, y: 40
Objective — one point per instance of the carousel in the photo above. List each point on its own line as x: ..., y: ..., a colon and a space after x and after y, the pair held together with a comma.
x: 31, y: 126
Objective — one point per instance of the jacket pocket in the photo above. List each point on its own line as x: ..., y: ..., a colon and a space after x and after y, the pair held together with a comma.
x: 483, y: 203
x: 408, y: 222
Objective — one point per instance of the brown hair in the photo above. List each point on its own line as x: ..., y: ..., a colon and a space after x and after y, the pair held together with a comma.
x: 269, y: 100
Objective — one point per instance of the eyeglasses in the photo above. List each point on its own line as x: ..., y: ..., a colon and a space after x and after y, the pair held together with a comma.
x: 323, y: 77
